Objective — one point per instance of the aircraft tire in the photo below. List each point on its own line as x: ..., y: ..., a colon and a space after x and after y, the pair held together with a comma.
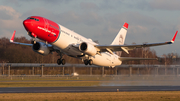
x: 63, y: 61
x: 90, y: 62
x: 59, y: 61
x: 86, y: 62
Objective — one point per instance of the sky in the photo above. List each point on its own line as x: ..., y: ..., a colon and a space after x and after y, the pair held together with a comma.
x: 149, y: 20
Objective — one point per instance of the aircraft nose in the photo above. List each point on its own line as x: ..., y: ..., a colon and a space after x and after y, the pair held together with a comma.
x: 27, y: 24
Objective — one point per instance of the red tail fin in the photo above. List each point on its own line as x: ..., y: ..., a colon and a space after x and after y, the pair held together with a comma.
x: 125, y: 25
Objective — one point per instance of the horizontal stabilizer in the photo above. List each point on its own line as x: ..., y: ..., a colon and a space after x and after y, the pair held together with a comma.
x: 134, y: 58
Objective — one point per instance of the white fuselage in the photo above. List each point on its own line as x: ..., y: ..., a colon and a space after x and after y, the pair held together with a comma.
x: 68, y: 40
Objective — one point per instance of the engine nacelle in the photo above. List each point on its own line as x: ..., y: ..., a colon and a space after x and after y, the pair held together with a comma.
x: 87, y: 49
x: 41, y: 48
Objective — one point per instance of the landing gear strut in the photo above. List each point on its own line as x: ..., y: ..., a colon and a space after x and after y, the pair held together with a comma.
x: 60, y: 60
x: 86, y: 62
x: 33, y: 41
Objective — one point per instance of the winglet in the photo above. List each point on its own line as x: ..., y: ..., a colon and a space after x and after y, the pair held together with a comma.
x: 125, y: 25
x: 12, y: 38
x: 173, y: 39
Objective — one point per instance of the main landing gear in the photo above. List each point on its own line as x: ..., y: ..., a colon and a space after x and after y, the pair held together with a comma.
x: 86, y: 62
x: 60, y: 60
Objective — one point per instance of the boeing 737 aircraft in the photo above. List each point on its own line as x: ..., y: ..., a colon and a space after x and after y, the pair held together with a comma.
x: 58, y: 38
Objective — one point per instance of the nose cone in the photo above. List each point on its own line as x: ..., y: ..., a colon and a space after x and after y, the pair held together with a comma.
x: 27, y: 24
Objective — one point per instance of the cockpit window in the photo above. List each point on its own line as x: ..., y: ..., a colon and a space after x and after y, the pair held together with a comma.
x: 33, y: 18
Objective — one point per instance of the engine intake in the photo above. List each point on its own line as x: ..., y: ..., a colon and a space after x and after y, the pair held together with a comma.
x: 41, y: 48
x: 87, y: 48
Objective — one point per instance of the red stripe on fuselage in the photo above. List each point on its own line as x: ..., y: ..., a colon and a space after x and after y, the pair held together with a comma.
x: 43, y: 28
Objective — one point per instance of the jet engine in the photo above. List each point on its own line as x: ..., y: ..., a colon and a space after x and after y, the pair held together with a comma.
x: 41, y: 48
x: 87, y: 48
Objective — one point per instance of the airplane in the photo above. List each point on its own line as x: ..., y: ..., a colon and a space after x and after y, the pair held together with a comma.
x: 62, y: 40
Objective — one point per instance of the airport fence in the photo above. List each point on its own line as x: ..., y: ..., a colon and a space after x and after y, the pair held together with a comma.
x: 68, y: 70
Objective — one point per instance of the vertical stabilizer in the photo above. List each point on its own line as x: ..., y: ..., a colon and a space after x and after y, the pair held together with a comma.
x: 120, y: 38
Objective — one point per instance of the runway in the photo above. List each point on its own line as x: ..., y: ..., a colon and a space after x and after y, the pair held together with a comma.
x: 87, y: 89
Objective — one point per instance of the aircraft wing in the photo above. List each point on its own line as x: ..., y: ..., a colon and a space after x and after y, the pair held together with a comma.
x: 12, y: 41
x: 126, y: 48
x: 26, y: 44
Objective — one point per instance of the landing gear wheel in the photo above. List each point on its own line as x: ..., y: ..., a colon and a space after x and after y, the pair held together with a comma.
x: 59, y: 61
x: 86, y: 62
x: 63, y: 61
x: 90, y: 62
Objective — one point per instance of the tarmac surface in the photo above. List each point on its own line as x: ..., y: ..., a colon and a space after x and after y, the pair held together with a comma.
x: 87, y: 89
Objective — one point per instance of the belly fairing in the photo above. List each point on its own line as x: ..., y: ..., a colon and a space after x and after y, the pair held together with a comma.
x: 104, y: 60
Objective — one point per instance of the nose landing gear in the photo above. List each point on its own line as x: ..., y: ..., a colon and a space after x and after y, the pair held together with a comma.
x: 60, y: 60
x: 33, y: 41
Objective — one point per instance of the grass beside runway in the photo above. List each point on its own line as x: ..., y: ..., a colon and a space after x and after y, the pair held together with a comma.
x: 55, y: 81
x: 95, y: 96
x: 65, y: 81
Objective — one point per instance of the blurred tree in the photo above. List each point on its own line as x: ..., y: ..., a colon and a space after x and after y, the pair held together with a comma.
x: 141, y: 53
x: 24, y: 54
